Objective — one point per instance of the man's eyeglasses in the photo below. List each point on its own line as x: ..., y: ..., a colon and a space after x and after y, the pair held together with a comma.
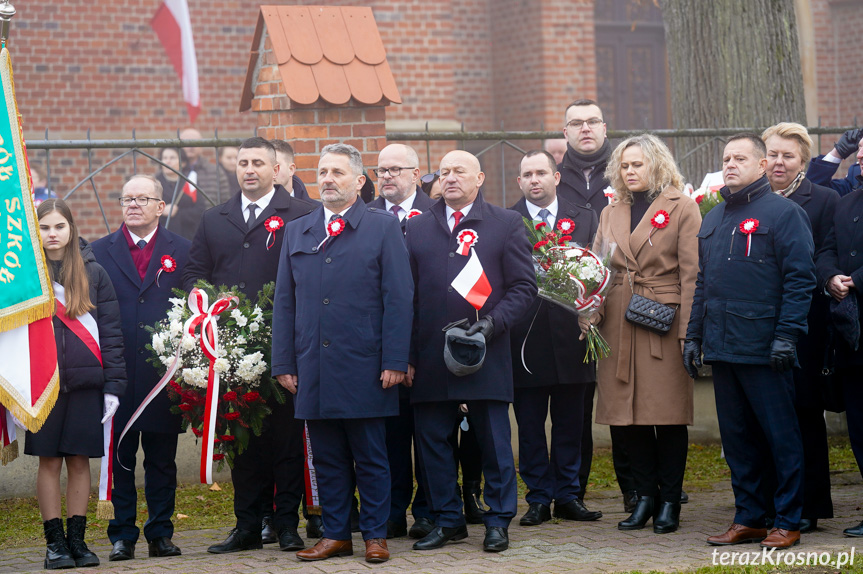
x: 577, y: 124
x: 430, y: 177
x: 393, y: 171
x: 139, y: 201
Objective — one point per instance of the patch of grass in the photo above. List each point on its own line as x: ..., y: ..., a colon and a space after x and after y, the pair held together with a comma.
x: 841, y: 456
x: 204, y: 508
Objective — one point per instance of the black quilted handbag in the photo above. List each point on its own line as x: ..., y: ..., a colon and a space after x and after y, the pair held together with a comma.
x: 647, y: 313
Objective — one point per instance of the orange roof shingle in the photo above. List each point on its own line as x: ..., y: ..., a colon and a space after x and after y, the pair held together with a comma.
x: 325, y: 52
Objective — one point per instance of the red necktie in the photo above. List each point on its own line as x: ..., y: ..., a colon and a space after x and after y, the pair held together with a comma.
x: 457, y: 215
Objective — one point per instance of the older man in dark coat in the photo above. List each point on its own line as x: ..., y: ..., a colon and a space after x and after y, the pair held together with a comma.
x: 754, y: 285
x: 503, y: 251
x: 341, y: 337
x: 547, y: 365
x: 132, y: 257
x: 230, y: 248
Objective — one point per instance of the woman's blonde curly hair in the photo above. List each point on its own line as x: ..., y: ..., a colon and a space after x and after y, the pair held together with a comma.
x: 662, y: 169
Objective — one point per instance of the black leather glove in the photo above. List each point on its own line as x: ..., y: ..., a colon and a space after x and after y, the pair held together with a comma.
x: 849, y: 142
x: 692, y: 357
x: 783, y: 353
x: 484, y: 326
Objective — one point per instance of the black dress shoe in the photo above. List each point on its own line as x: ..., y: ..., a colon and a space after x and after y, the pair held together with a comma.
x: 668, y: 518
x: 421, y: 528
x: 473, y: 508
x: 644, y: 511
x: 395, y: 530
x: 808, y: 525
x: 268, y: 533
x: 290, y: 540
x: 237, y: 541
x: 854, y: 531
x: 684, y: 498
x: 630, y: 499
x: 314, y: 526
x: 575, y: 510
x: 161, y: 547
x: 496, y: 539
x: 536, y: 514
x: 122, y: 550
x: 440, y: 536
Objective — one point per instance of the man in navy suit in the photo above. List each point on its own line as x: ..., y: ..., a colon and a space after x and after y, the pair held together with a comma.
x: 547, y: 365
x: 341, y: 336
x: 132, y: 256
x: 230, y: 248
x: 398, y: 173
x: 505, y: 255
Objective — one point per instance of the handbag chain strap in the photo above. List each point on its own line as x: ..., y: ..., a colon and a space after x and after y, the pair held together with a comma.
x: 629, y: 276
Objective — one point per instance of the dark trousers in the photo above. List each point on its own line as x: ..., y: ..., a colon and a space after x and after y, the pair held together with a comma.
x: 276, y: 455
x: 468, y: 455
x: 657, y: 454
x: 754, y: 401
x: 817, y: 502
x: 400, y: 439
x: 160, y: 486
x: 852, y: 387
x: 340, y: 445
x: 554, y: 475
x: 490, y: 420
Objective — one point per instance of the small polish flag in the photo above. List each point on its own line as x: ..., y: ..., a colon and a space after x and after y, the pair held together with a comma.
x: 174, y: 29
x: 471, y: 282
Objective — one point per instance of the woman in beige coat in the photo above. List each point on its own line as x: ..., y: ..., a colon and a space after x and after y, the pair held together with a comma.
x: 643, y: 386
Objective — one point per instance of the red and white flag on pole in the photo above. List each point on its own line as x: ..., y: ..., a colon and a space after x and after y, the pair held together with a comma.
x: 471, y: 282
x: 174, y: 29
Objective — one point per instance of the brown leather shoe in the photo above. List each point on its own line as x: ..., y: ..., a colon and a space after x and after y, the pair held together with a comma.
x: 780, y: 538
x: 327, y: 548
x: 738, y: 534
x: 376, y: 550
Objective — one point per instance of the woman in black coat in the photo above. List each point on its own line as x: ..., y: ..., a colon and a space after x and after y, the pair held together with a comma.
x: 788, y: 152
x: 90, y: 384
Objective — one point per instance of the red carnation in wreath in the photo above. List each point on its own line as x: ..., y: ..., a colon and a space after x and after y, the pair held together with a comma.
x: 218, y: 456
x: 251, y: 396
x: 229, y: 396
x: 228, y: 437
x: 564, y: 239
x: 197, y: 432
x: 185, y: 407
x: 232, y: 416
x: 540, y: 225
x: 540, y: 244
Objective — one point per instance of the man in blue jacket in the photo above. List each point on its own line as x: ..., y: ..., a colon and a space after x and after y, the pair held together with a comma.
x: 822, y: 168
x: 133, y: 256
x: 341, y: 337
x: 755, y: 281
x: 504, y: 252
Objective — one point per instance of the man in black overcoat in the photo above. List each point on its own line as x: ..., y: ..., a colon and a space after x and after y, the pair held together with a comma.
x: 230, y: 248
x: 398, y: 173
x: 132, y: 256
x: 547, y: 366
x: 504, y: 253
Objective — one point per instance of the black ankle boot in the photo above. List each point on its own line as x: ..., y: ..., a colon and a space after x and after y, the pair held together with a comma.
x: 75, y: 527
x: 668, y: 518
x: 57, y: 555
x: 473, y: 508
x: 644, y: 511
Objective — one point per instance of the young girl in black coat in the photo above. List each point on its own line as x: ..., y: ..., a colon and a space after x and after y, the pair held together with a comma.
x: 89, y: 387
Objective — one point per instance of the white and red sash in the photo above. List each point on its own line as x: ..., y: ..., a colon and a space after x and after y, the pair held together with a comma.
x: 87, y: 330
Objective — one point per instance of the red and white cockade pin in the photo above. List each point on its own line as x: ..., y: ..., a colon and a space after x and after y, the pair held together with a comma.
x: 748, y: 227
x: 660, y: 220
x: 272, y: 225
x: 566, y: 226
x: 467, y: 238
x: 414, y: 213
x: 169, y: 265
x: 335, y: 227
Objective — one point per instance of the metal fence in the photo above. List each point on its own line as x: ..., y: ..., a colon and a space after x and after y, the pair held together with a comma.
x: 489, y: 146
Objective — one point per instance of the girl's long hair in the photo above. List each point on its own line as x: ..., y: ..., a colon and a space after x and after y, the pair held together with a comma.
x: 73, y: 274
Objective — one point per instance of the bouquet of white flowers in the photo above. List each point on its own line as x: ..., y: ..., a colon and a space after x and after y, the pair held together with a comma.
x: 242, y: 358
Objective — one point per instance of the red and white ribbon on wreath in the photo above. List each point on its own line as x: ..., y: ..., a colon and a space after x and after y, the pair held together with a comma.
x: 272, y: 225
x: 659, y: 220
x: 593, y: 300
x: 169, y: 265
x: 467, y: 238
x: 206, y: 316
x: 748, y: 227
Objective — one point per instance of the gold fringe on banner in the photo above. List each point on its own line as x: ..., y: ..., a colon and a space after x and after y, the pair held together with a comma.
x: 9, y: 452
x: 313, y: 510
x: 42, y: 407
x: 27, y: 316
x: 105, y: 510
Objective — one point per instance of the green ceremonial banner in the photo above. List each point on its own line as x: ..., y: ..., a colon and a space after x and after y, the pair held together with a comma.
x: 25, y: 288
